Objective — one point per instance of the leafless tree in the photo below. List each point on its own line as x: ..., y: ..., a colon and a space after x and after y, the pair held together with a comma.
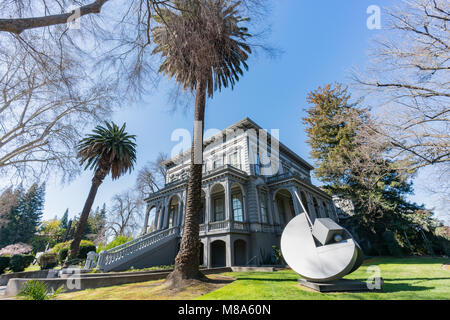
x: 111, y: 47
x: 125, y: 214
x: 151, y: 178
x: 44, y: 107
x: 408, y: 84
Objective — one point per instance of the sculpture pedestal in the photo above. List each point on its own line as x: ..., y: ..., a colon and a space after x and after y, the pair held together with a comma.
x: 343, y: 285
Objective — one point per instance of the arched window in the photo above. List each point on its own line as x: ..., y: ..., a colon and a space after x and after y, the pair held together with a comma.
x: 237, y: 208
x: 263, y: 206
x: 304, y: 201
x: 173, y: 209
x: 316, y: 207
x: 327, y: 213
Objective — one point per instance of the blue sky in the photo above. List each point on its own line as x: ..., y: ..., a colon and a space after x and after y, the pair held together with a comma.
x: 321, y: 41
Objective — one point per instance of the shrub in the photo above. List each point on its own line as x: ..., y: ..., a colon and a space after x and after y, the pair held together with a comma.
x: 119, y: 240
x: 392, y: 244
x: 47, y: 260
x: 19, y: 262
x: 39, y: 243
x: 17, y: 248
x: 62, y: 249
x: 37, y: 290
x: 4, y: 263
x: 278, y: 255
x: 62, y: 254
x: 85, y: 247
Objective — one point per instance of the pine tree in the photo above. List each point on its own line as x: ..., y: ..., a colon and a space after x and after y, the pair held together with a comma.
x: 24, y: 217
x: 65, y: 219
x: 353, y: 168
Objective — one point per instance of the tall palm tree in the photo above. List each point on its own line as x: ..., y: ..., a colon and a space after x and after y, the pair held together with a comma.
x: 108, y: 149
x: 203, y: 49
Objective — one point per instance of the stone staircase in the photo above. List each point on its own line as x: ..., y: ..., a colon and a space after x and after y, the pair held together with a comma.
x: 145, y: 251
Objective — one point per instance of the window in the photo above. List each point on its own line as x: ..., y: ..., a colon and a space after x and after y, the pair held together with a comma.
x: 263, y: 205
x: 172, y: 214
x: 316, y: 207
x: 218, y: 210
x: 218, y: 163
x: 237, y: 208
x: 202, y: 215
x: 281, y: 209
x: 304, y: 202
x: 257, y: 165
x: 327, y: 214
x: 234, y: 160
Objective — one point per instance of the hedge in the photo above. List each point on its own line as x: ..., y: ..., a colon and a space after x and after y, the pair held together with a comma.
x: 62, y: 249
x: 4, y: 263
x: 19, y: 262
x: 47, y: 260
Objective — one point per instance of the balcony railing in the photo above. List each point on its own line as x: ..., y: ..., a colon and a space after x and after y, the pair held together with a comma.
x: 285, y: 176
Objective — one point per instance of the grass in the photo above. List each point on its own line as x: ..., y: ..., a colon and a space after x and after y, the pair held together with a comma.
x: 405, y: 279
x: 408, y: 278
x: 151, y: 290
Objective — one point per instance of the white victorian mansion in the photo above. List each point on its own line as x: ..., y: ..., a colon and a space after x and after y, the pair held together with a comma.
x: 251, y: 186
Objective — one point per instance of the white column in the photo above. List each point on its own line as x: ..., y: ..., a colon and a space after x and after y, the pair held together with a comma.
x: 228, y: 201
x: 310, y: 208
x: 207, y: 206
x: 297, y: 207
x: 179, y: 213
x: 269, y: 205
x: 165, y: 220
x: 161, y: 218
x: 228, y: 252
x: 208, y: 253
x: 155, y: 219
x: 258, y: 205
x: 276, y: 212
x: 244, y: 208
x: 147, y: 212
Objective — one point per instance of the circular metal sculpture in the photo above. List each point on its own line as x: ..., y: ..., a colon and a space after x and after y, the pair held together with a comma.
x: 319, y: 252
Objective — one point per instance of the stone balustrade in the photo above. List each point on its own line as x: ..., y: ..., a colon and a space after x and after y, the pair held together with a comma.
x: 130, y: 249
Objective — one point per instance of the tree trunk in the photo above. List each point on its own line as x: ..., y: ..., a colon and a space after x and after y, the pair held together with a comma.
x: 96, y: 182
x: 187, y: 260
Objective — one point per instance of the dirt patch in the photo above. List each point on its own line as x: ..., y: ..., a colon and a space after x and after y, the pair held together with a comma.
x: 196, y: 287
x: 446, y: 267
x: 152, y: 290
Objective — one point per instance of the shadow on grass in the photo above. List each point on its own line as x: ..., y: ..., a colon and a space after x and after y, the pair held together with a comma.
x: 405, y: 260
x: 387, y: 287
x: 268, y: 279
x: 219, y: 281
x: 405, y: 287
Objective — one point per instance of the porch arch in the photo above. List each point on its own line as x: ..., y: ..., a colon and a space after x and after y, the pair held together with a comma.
x: 218, y: 254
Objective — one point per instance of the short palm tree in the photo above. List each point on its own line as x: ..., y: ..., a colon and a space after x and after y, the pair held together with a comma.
x: 203, y: 49
x: 108, y: 149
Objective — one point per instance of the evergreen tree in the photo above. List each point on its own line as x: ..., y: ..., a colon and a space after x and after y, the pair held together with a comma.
x: 24, y: 217
x: 354, y: 169
x: 65, y: 219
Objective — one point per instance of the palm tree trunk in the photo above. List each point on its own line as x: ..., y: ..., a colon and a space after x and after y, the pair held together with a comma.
x: 187, y: 260
x: 75, y: 245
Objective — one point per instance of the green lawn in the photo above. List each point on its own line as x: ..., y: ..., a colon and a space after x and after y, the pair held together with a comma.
x: 410, y: 278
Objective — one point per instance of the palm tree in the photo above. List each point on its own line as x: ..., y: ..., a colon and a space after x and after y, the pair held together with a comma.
x: 107, y: 149
x: 203, y: 48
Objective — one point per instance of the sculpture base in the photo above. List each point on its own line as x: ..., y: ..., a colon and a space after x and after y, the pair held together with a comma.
x: 343, y: 285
